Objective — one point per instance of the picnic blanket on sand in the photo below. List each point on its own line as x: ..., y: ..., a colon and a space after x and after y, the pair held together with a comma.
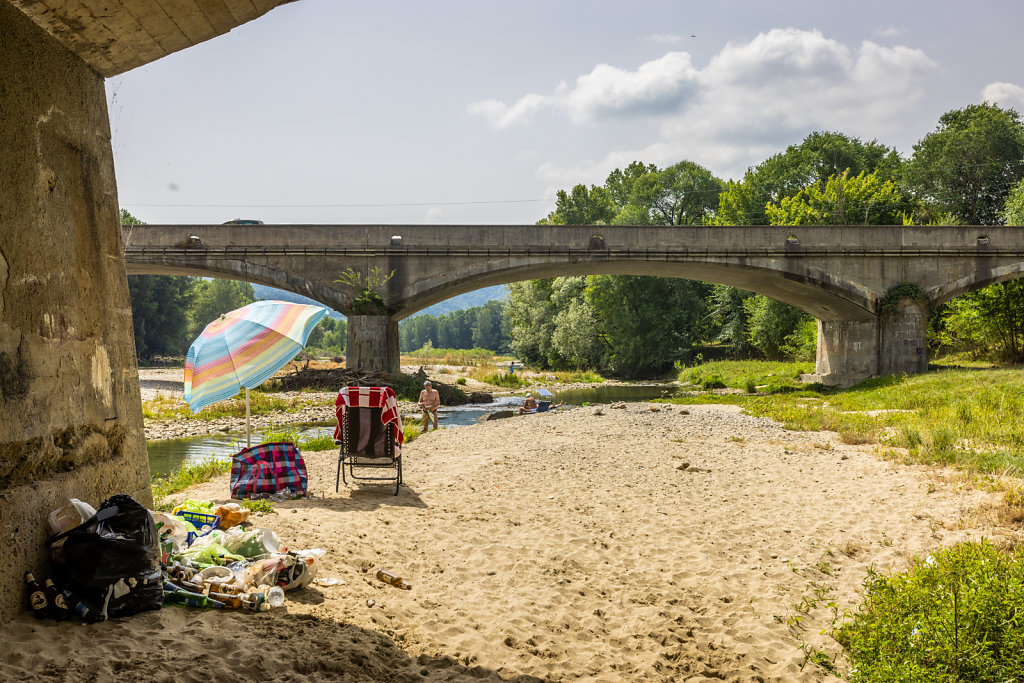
x: 369, y: 397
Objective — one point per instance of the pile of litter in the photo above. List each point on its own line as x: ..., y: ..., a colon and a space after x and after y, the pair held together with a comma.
x: 123, y: 559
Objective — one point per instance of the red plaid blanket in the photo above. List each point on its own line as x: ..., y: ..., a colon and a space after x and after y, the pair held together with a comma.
x: 369, y: 397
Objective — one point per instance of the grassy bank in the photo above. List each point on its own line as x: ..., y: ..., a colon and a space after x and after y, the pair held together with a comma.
x: 260, y: 403
x: 967, y: 418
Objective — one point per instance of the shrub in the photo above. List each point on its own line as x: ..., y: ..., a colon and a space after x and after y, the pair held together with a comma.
x: 954, y: 616
x: 461, y: 381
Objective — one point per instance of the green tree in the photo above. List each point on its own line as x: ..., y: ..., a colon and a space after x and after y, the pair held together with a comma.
x: 159, y: 309
x: 820, y: 156
x: 1013, y: 210
x: 581, y: 206
x: 212, y: 298
x: 648, y: 323
x: 531, y: 317
x: 491, y: 328
x: 864, y: 199
x: 682, y: 194
x: 969, y: 163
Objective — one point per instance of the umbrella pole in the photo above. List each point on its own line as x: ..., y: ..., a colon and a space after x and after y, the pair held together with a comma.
x: 248, y: 442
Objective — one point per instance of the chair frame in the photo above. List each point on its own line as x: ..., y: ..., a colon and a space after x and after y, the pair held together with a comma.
x: 388, y: 462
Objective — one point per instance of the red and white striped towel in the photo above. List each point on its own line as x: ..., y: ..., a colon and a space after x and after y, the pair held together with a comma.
x: 369, y: 397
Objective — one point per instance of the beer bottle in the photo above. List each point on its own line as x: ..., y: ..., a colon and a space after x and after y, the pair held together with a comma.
x: 180, y: 596
x: 396, y: 581
x: 59, y: 609
x: 87, y: 612
x: 232, y: 601
x: 36, y: 597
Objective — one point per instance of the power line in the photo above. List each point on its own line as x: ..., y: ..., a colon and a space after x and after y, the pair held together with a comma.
x: 339, y: 206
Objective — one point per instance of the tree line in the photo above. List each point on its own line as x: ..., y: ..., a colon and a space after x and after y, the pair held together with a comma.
x: 968, y: 171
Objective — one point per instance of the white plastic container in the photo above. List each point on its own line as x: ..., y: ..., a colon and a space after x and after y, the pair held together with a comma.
x: 69, y: 516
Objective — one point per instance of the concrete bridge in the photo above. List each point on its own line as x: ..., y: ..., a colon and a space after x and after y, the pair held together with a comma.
x: 838, y: 274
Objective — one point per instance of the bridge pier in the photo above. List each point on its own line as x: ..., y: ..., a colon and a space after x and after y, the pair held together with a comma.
x: 372, y: 344
x: 851, y: 351
x: 70, y: 414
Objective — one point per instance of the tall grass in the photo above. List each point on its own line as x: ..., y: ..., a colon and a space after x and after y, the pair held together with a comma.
x: 186, y: 476
x: 773, y: 376
x: 972, y: 419
x: 259, y: 404
x: 469, y: 357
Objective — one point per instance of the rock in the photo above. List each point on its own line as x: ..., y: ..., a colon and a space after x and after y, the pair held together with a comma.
x: 684, y: 411
x: 684, y: 466
x: 598, y: 411
x: 654, y: 409
x: 499, y: 415
x: 618, y: 406
x: 480, y: 397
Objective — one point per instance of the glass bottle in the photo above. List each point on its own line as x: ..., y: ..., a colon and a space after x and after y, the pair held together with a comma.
x: 36, y: 597
x: 59, y: 609
x: 394, y: 580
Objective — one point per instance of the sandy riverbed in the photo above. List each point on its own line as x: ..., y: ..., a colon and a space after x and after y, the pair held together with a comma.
x: 633, y: 545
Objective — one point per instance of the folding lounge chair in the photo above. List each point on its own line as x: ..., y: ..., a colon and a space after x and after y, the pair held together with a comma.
x: 370, y: 435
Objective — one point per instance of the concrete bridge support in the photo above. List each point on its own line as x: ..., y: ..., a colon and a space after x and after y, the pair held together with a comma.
x: 850, y: 351
x: 372, y: 344
x: 70, y: 413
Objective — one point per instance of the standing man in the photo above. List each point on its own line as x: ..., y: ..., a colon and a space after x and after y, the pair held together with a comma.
x: 429, y: 401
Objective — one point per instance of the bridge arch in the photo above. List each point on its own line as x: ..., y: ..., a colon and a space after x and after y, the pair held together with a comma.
x: 338, y: 297
x: 972, y: 281
x: 816, y: 292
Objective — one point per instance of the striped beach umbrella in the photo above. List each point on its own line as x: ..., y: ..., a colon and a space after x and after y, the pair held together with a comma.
x: 244, y: 348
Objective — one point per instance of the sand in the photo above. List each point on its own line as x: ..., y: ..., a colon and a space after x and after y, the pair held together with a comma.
x: 630, y: 546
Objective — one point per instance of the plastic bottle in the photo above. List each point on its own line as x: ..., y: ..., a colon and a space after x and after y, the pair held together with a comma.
x: 59, y: 609
x: 275, y: 596
x: 396, y: 581
x: 257, y: 602
x: 36, y: 597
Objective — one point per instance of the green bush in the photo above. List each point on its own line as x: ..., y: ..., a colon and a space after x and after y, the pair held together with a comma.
x: 505, y: 379
x: 955, y: 616
x: 461, y: 381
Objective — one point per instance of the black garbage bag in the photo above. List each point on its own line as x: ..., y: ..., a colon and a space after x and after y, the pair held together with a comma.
x: 112, y: 560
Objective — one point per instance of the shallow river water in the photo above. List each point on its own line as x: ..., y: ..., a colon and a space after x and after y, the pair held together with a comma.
x: 167, y: 455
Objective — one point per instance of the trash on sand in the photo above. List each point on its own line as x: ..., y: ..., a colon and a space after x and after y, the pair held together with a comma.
x: 327, y: 581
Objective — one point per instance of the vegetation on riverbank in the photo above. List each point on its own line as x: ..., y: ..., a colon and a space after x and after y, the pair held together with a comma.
x: 186, y: 476
x: 970, y: 419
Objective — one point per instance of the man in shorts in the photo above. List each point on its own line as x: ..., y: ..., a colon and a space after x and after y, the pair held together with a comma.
x: 429, y: 401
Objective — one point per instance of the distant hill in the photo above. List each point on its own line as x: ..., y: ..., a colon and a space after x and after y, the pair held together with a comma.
x: 457, y: 303
x: 467, y: 300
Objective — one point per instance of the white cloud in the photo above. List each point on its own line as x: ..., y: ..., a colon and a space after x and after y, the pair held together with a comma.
x: 890, y: 31
x: 665, y: 38
x: 751, y: 100
x: 1006, y: 95
x: 654, y: 87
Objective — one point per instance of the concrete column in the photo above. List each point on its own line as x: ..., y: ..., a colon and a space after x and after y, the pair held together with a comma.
x: 847, y: 351
x: 70, y: 413
x: 904, y: 332
x: 372, y: 344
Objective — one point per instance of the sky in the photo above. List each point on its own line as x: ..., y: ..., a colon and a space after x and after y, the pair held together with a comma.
x: 459, y: 112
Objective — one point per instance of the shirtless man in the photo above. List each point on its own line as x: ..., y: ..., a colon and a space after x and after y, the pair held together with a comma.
x: 429, y: 401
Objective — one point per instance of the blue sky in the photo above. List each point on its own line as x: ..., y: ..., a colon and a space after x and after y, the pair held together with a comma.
x: 326, y: 111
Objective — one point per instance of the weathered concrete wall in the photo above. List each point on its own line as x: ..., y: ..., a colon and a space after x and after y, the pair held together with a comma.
x: 847, y: 351
x: 903, y: 339
x: 70, y: 414
x: 373, y: 344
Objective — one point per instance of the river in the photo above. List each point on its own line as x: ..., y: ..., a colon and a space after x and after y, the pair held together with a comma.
x: 167, y: 455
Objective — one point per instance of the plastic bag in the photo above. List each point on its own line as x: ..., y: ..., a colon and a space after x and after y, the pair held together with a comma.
x: 210, y: 554
x: 172, y: 532
x: 290, y: 571
x: 112, y: 560
x: 202, y: 506
x: 231, y: 514
x: 254, y: 542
